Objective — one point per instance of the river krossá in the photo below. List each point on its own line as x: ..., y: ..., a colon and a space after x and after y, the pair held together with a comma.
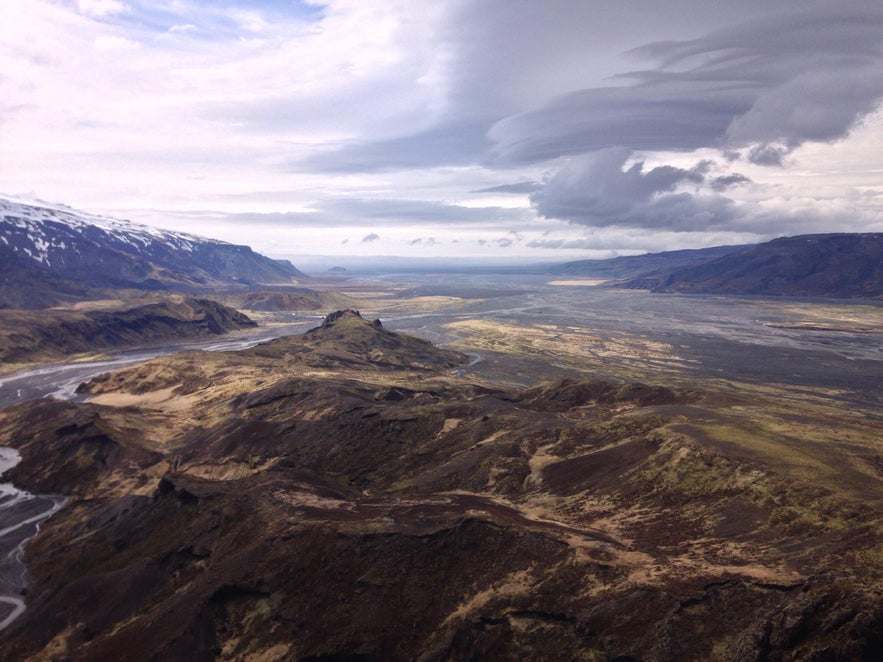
x: 20, y: 516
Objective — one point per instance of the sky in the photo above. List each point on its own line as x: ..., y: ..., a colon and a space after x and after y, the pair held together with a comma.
x: 543, y: 130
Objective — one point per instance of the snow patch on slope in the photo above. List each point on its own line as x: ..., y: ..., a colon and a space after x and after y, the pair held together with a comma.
x: 40, y: 222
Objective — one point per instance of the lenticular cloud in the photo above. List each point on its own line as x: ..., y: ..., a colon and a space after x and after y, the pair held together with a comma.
x: 775, y: 84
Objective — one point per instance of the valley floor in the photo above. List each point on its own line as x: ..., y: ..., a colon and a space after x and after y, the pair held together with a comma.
x: 569, y: 473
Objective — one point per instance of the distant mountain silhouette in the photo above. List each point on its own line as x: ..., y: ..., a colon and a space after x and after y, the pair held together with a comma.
x: 631, y: 266
x: 820, y: 265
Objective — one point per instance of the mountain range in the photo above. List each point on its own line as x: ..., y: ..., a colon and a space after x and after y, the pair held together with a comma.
x: 52, y: 253
x: 819, y: 265
x: 356, y: 493
x: 840, y: 265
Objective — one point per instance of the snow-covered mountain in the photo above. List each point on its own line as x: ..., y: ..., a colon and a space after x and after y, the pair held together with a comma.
x: 56, y: 249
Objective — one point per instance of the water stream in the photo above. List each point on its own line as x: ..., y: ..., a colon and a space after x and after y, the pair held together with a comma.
x: 20, y: 515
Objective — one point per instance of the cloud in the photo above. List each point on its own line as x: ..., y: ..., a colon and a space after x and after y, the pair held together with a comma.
x: 726, y: 181
x: 423, y: 241
x: 456, y: 143
x: 184, y: 27
x: 609, y: 189
x: 347, y: 211
x: 604, y: 189
x: 598, y: 189
x: 760, y: 89
x: 778, y: 81
x: 589, y: 120
x: 100, y: 8
x: 370, y: 238
x: 518, y: 187
x: 320, y: 120
x: 766, y: 154
x: 115, y: 43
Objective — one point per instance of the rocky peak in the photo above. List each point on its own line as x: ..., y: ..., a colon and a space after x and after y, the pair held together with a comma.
x: 345, y: 338
x: 347, y: 314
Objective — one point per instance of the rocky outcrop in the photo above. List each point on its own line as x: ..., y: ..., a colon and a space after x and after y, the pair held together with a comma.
x: 345, y: 339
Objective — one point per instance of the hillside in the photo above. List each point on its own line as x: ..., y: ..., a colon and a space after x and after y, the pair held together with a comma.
x: 345, y: 339
x: 50, y: 254
x: 288, y: 299
x: 346, y: 495
x: 822, y: 265
x: 51, y: 335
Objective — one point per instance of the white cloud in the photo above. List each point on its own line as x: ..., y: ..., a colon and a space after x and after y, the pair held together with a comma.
x: 115, y: 43
x: 100, y: 8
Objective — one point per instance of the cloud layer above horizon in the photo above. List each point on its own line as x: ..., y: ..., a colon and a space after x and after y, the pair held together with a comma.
x: 506, y: 127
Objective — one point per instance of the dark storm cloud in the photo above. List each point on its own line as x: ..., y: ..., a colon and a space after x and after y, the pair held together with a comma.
x: 601, y: 190
x: 661, y: 119
x: 768, y: 155
x: 726, y: 181
x: 762, y: 88
x: 776, y: 82
x: 454, y: 143
x: 600, y: 186
x: 519, y: 187
x: 605, y: 189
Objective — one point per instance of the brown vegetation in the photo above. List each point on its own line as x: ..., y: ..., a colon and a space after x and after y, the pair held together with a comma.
x: 344, y: 495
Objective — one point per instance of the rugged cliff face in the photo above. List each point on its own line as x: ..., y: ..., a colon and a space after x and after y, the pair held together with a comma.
x: 344, y: 495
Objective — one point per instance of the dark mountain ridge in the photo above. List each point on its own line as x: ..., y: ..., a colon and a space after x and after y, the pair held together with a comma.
x: 819, y: 265
x: 50, y: 254
x: 628, y: 266
x: 838, y: 265
x: 48, y: 335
